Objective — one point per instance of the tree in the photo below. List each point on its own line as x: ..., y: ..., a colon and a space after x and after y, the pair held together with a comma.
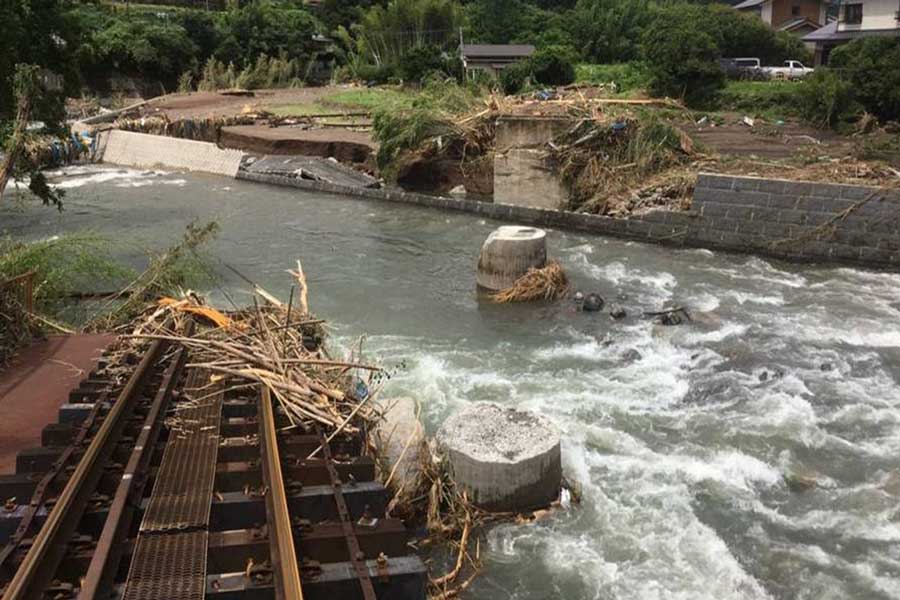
x: 738, y: 33
x: 343, y: 13
x: 609, y: 31
x: 388, y: 33
x: 872, y: 67
x: 494, y: 21
x: 516, y: 22
x: 420, y: 62
x: 27, y: 88
x: 681, y: 57
x: 33, y: 33
x: 265, y: 28
x: 554, y: 65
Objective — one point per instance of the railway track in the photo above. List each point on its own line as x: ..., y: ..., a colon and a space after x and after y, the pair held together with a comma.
x: 173, y: 483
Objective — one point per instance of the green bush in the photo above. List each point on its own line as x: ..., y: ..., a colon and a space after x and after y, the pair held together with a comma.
x: 790, y: 47
x: 402, y: 126
x: 265, y: 27
x: 376, y: 73
x: 420, y: 62
x: 514, y: 77
x: 871, y: 66
x: 776, y: 99
x: 681, y: 58
x: 553, y: 65
x: 740, y: 34
x: 825, y: 98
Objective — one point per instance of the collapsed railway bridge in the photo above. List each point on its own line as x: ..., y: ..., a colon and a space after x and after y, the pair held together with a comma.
x: 161, y: 481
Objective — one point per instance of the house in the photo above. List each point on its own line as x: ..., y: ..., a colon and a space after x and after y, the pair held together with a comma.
x: 492, y: 58
x: 795, y: 16
x: 856, y: 18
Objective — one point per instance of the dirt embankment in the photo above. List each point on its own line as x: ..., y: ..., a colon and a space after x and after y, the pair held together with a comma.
x: 345, y: 145
x: 265, y: 133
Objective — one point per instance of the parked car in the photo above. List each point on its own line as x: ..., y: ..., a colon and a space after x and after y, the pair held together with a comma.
x: 791, y: 70
x: 743, y: 68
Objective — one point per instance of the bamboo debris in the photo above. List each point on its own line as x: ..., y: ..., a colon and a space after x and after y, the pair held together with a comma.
x: 276, y: 345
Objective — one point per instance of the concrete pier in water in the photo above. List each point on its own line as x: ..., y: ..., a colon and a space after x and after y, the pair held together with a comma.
x: 507, y: 459
x: 508, y: 253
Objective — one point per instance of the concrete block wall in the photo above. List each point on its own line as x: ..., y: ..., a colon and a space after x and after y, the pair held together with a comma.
x: 145, y: 151
x: 798, y: 219
x: 790, y: 220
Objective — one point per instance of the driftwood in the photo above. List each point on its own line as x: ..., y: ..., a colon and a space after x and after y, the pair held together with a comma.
x: 278, y: 346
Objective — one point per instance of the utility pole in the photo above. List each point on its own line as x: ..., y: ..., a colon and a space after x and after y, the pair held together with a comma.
x: 462, y: 55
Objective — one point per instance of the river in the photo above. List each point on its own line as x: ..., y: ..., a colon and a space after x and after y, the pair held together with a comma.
x: 679, y: 437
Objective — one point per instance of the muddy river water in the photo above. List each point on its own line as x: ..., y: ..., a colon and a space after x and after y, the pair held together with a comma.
x: 680, y: 438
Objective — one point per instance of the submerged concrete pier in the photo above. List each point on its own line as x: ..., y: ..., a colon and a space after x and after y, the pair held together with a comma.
x: 508, y: 253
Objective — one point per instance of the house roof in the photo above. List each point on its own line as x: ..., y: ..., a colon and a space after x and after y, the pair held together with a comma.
x: 749, y: 4
x: 798, y: 23
x: 830, y: 33
x: 497, y: 50
x: 822, y: 33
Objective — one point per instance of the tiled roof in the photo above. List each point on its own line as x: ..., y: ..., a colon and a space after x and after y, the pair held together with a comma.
x: 497, y: 50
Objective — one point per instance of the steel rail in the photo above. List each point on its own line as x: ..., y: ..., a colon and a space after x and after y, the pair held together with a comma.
x: 42, y: 559
x: 105, y: 562
x: 43, y: 487
x: 357, y: 557
x: 281, y: 537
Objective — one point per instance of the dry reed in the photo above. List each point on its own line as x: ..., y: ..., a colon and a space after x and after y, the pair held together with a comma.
x: 547, y: 283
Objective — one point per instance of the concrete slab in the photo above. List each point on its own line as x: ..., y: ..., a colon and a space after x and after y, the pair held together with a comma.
x: 145, y: 151
x: 314, y: 168
x: 37, y: 383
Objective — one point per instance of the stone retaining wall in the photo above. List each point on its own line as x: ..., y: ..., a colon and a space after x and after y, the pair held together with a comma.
x: 145, y: 151
x: 785, y: 219
x: 801, y: 220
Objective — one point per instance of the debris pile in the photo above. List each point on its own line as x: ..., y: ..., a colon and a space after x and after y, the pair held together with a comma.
x: 602, y: 158
x: 440, y: 145
x: 547, y: 283
x: 833, y: 170
x: 276, y: 345
x: 200, y: 129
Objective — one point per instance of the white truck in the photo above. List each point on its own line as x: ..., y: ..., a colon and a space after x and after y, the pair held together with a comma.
x: 752, y: 69
x: 791, y: 70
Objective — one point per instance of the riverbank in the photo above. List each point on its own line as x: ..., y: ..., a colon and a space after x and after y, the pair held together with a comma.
x: 697, y: 200
x: 793, y: 220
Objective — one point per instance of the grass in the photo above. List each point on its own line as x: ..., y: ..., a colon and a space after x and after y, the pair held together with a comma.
x: 351, y: 100
x: 772, y: 100
x: 62, y: 265
x: 628, y: 77
x: 370, y: 98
